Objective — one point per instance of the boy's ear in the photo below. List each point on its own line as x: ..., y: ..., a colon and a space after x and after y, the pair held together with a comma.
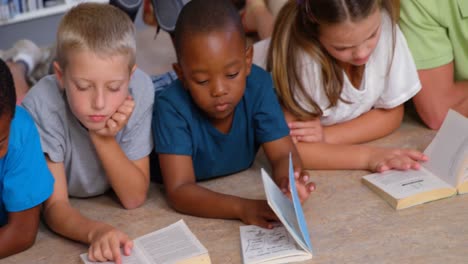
x: 178, y: 71
x: 249, y: 58
x: 133, y: 70
x: 59, y: 74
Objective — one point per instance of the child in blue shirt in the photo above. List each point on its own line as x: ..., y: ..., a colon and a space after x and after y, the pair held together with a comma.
x: 25, y: 181
x: 213, y: 119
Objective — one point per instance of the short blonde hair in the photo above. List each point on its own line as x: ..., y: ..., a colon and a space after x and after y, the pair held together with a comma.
x: 102, y: 29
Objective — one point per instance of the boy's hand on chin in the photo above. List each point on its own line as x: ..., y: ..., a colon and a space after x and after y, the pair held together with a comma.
x: 119, y: 119
x: 258, y: 212
x: 304, y: 188
x: 106, y: 242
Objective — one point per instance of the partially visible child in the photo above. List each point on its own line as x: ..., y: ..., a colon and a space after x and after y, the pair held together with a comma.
x: 25, y: 180
x: 342, y: 71
x: 214, y: 118
x: 94, y: 119
x: 27, y: 63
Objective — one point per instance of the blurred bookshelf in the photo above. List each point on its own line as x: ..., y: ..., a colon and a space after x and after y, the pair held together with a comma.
x: 15, y: 11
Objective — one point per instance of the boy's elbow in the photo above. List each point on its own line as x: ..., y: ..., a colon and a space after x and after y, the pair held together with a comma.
x: 28, y: 242
x: 25, y: 241
x: 176, y: 201
x: 182, y: 198
x: 133, y: 203
x: 172, y: 200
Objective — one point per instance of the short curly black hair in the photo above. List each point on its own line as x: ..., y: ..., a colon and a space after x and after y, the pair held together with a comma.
x: 7, y: 91
x: 205, y: 16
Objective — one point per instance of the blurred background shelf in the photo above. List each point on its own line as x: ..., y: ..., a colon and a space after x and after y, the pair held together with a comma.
x: 59, y: 8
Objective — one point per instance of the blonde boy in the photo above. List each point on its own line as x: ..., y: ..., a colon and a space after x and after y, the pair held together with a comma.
x: 94, y: 119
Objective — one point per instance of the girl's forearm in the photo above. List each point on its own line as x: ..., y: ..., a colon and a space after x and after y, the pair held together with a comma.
x: 323, y: 156
x: 372, y: 125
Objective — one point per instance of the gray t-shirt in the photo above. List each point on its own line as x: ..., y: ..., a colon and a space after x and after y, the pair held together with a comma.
x: 65, y: 140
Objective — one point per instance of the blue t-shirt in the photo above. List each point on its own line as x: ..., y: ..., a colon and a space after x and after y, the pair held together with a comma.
x: 25, y: 180
x: 181, y: 128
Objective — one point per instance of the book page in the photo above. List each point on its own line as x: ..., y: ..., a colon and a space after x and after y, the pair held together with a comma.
x: 134, y: 258
x: 260, y: 244
x: 402, y: 184
x: 297, y: 206
x: 448, y: 149
x: 283, y: 208
x: 170, y: 244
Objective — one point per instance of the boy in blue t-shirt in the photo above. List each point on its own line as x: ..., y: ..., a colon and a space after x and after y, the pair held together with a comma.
x: 25, y: 180
x: 212, y: 121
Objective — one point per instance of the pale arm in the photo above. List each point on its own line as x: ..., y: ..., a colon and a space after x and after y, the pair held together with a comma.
x: 20, y: 232
x: 186, y: 196
x: 438, y: 94
x: 60, y: 215
x: 129, y: 179
x: 371, y: 125
x: 357, y: 157
x: 62, y: 218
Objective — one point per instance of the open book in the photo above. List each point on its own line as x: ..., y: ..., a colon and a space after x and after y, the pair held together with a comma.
x: 445, y: 173
x: 172, y: 244
x: 284, y: 243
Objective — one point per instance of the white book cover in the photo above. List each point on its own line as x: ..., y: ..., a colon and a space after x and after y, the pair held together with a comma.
x: 437, y: 178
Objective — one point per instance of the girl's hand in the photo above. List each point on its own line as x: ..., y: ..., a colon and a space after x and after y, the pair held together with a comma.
x: 304, y: 188
x: 106, y: 242
x: 119, y: 119
x: 307, y: 131
x: 257, y: 212
x: 383, y: 159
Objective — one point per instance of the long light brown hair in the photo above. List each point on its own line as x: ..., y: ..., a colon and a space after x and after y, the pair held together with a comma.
x: 297, y: 31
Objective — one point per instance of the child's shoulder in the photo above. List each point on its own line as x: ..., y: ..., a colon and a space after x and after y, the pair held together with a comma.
x: 258, y: 74
x: 170, y: 91
x: 44, y: 95
x: 141, y: 89
x: 22, y: 119
x: 141, y: 85
x: 259, y: 81
x: 22, y: 128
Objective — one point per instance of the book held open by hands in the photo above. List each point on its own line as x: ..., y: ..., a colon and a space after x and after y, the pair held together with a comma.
x: 445, y: 173
x: 172, y: 244
x: 286, y: 242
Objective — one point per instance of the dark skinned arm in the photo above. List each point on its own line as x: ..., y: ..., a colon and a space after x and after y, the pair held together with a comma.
x: 20, y: 232
x: 186, y: 196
